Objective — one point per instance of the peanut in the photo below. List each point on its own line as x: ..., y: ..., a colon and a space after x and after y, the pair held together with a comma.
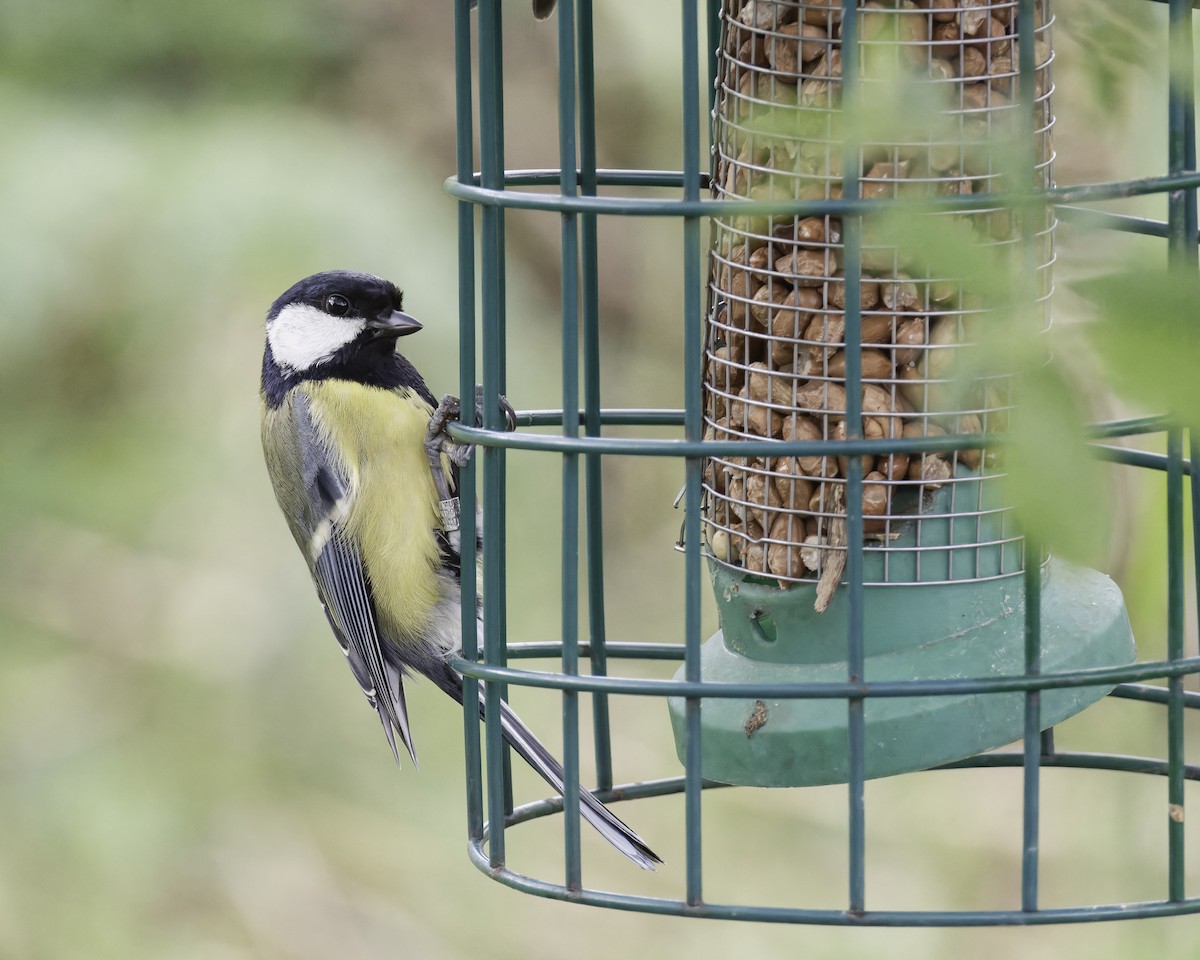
x: 800, y: 427
x: 807, y: 266
x: 875, y: 365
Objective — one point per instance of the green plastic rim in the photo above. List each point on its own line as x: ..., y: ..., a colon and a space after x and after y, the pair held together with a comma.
x: 964, y: 629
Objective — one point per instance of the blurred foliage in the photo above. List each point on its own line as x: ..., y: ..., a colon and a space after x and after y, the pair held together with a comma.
x: 1146, y: 334
x: 186, y: 770
x: 1110, y: 44
x: 1056, y: 486
x: 212, y: 49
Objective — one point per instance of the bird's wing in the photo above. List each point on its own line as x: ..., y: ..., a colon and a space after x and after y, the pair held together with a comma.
x: 341, y: 579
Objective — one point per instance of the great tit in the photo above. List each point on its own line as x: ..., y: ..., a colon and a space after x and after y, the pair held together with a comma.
x: 349, y: 431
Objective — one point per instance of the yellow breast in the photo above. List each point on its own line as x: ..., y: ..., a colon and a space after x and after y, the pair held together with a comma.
x: 393, y: 501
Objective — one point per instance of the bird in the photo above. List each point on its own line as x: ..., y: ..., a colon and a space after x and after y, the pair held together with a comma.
x: 367, y: 479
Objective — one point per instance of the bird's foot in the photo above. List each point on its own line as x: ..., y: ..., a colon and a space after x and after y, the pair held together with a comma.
x: 438, y: 442
x: 510, y: 415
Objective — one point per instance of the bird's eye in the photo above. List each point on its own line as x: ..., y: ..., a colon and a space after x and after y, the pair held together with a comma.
x: 337, y: 305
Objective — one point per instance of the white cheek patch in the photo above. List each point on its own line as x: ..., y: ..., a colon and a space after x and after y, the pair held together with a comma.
x: 302, y: 336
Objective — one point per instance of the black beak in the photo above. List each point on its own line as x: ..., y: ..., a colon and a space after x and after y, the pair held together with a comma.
x: 394, y: 324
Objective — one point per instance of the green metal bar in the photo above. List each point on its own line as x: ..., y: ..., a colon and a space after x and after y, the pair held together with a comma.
x: 855, y: 655
x: 881, y: 918
x: 609, y: 416
x: 1073, y: 760
x: 688, y: 207
x: 628, y: 650
x: 497, y: 347
x: 637, y: 686
x: 1105, y: 220
x: 1032, y: 217
x: 1032, y: 753
x: 1182, y: 257
x: 605, y: 177
x: 636, y: 650
x: 569, y: 185
x: 1181, y: 145
x: 671, y: 417
x: 1139, y: 458
x: 492, y: 165
x: 693, y: 431
x: 464, y: 147
x: 593, y: 463
x: 1194, y: 485
x: 666, y: 787
x: 674, y: 178
x: 1047, y: 743
x: 1084, y: 216
x: 1182, y: 218
x: 995, y: 759
x: 635, y: 446
x: 713, y: 38
x: 1128, y: 427
x: 1176, y: 860
x: 1152, y: 694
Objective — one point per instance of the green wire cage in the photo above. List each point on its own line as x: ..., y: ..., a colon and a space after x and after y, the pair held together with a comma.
x: 818, y: 522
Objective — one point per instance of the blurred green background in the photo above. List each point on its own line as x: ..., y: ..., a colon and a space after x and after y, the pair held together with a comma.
x: 187, y: 771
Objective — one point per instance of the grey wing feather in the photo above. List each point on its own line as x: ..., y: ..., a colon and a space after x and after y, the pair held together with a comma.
x: 342, y: 582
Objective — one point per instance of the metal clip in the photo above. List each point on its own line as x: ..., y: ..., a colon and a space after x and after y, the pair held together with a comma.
x: 451, y: 513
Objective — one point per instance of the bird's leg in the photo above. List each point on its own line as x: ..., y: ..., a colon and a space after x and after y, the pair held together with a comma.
x: 438, y: 444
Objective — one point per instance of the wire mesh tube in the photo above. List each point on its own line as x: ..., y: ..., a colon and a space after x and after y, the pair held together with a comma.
x: 776, y: 362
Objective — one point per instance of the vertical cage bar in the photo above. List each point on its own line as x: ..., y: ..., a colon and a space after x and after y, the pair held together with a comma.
x: 1031, y: 765
x: 593, y: 463
x: 712, y: 45
x: 1032, y: 216
x: 1047, y: 739
x: 1182, y: 256
x: 464, y: 152
x: 491, y: 165
x: 693, y: 430
x: 1030, y: 211
x: 852, y: 274
x: 569, y: 187
x: 497, y: 512
x: 1181, y: 146
x: 1176, y: 861
x: 1194, y: 484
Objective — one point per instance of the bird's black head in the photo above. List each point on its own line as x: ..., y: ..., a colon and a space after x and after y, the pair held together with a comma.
x: 334, y: 324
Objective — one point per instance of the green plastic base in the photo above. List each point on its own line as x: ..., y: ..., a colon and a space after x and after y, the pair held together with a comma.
x: 912, y: 632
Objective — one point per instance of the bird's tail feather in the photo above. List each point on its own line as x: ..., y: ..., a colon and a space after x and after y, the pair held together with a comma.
x: 611, y: 827
x: 397, y: 716
x: 534, y: 752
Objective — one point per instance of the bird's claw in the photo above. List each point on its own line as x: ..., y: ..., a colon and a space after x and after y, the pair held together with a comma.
x: 438, y: 443
x: 510, y: 415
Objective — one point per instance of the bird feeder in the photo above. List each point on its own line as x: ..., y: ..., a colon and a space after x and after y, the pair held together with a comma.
x: 793, y: 301
x: 880, y: 610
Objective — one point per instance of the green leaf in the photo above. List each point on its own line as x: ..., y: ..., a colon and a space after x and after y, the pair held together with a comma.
x: 1147, y: 332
